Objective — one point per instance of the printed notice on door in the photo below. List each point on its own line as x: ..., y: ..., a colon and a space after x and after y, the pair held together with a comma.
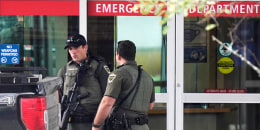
x: 9, y: 53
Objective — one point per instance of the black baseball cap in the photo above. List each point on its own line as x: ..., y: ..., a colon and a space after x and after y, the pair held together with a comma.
x: 75, y: 40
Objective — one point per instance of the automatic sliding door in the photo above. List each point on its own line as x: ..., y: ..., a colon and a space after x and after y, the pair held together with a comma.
x: 220, y: 90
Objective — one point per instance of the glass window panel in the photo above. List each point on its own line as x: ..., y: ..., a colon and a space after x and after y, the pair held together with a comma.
x: 38, y: 36
x: 105, y: 31
x: 41, y: 39
x: 146, y: 33
x: 208, y: 116
x: 210, y: 66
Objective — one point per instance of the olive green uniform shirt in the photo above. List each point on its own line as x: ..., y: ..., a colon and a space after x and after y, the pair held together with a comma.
x: 120, y: 83
x: 92, y: 80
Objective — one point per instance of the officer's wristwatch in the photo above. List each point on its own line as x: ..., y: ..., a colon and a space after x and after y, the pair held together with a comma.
x: 96, y: 126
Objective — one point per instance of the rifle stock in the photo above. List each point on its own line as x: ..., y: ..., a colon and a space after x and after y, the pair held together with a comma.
x: 65, y: 119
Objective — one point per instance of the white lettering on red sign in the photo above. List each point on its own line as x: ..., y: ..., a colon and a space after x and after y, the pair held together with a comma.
x: 221, y: 8
x: 115, y: 8
x: 107, y: 8
x: 233, y: 8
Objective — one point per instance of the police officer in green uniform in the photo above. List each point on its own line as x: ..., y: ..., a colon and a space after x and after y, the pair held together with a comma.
x: 93, y: 81
x: 120, y: 83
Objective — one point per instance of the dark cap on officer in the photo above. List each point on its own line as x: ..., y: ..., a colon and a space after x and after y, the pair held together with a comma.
x: 126, y: 49
x: 75, y: 40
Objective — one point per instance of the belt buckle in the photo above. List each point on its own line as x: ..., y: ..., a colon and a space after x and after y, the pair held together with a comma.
x: 138, y: 120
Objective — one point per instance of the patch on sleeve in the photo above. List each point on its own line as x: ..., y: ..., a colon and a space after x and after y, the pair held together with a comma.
x: 111, y: 78
x: 107, y: 69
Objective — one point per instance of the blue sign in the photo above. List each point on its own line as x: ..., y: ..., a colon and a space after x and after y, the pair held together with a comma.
x: 9, y: 53
x: 223, y: 51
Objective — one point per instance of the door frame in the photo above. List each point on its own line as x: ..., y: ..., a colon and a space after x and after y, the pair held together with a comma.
x: 168, y: 97
x: 175, y: 96
x: 181, y: 97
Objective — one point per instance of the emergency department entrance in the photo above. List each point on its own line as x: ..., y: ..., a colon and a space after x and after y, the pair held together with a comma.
x: 215, y: 88
x: 208, y: 88
x: 199, y: 84
x: 107, y: 22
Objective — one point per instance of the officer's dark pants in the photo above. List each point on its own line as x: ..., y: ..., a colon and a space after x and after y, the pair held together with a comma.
x: 79, y: 126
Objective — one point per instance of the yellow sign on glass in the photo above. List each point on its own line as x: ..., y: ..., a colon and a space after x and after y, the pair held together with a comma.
x: 225, y: 65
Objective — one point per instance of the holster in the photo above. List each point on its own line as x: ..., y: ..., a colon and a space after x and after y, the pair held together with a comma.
x: 122, y: 120
x: 141, y: 120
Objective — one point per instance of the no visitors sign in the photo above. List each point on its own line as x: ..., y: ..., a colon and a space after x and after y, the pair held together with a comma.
x: 9, y: 53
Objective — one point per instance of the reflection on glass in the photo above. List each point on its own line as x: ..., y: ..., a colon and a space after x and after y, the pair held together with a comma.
x: 208, y: 65
x: 151, y: 50
x: 41, y: 39
x: 221, y: 116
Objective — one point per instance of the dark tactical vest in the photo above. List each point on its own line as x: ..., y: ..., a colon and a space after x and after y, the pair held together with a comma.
x: 88, y: 81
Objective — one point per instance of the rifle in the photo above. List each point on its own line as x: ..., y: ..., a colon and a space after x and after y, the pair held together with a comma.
x: 71, y: 101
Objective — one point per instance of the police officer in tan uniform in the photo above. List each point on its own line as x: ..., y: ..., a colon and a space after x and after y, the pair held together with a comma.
x: 93, y: 81
x: 120, y: 83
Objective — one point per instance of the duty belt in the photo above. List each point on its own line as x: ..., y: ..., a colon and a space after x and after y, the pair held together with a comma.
x: 133, y: 118
x: 140, y: 120
x: 82, y: 119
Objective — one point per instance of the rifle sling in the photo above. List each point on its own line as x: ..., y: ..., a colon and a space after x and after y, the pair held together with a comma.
x: 135, y: 86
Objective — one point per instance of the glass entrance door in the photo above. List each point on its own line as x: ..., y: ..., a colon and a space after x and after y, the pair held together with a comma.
x: 215, y: 88
x: 105, y: 29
